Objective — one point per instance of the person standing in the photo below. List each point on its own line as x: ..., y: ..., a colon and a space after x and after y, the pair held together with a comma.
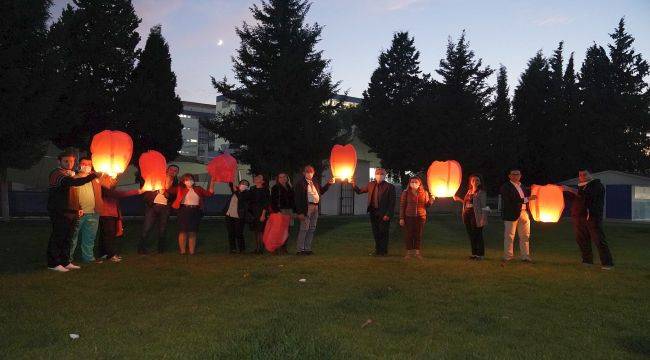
x: 63, y: 209
x: 89, y: 196
x: 587, y: 215
x: 258, y: 208
x: 189, y: 203
x: 307, y: 194
x: 282, y: 200
x: 236, y: 216
x: 475, y: 215
x: 156, y: 211
x: 381, y: 207
x: 110, y: 219
x: 516, y: 219
x: 413, y: 215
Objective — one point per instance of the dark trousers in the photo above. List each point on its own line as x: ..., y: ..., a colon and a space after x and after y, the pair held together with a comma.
x: 591, y: 231
x: 475, y: 233
x: 154, y: 215
x: 58, y: 247
x: 107, y: 234
x: 413, y: 229
x: 235, y: 228
x: 380, y: 231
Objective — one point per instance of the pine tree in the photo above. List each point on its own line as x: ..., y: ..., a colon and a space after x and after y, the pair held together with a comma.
x: 151, y: 105
x: 502, y: 133
x: 556, y: 121
x: 93, y: 46
x: 284, y: 115
x: 462, y: 109
x: 530, y: 112
x: 630, y: 103
x: 572, y: 115
x: 23, y: 104
x: 389, y: 122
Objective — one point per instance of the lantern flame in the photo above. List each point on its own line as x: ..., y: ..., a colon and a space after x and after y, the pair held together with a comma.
x: 444, y: 177
x: 153, y: 169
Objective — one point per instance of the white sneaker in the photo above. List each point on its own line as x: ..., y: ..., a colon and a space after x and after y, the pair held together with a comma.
x: 59, y: 268
x: 72, y: 266
x: 116, y: 259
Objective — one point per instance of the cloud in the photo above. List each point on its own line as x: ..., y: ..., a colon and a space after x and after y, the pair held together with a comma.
x: 395, y: 5
x: 553, y: 20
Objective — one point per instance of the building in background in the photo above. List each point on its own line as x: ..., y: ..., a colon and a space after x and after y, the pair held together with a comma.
x: 198, y: 143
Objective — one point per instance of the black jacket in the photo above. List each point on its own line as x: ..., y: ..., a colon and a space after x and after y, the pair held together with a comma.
x: 259, y: 200
x: 243, y: 199
x: 511, y: 201
x: 385, y: 197
x: 281, y: 197
x: 300, y: 194
x: 590, y: 200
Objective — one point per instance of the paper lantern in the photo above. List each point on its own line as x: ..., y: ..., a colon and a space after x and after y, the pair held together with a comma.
x: 111, y: 152
x: 549, y: 204
x: 444, y: 177
x: 223, y: 168
x: 276, y: 231
x: 343, y: 161
x: 153, y: 169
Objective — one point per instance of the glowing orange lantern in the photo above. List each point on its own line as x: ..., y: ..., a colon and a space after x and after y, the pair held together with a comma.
x: 111, y: 152
x: 223, y: 168
x: 549, y: 204
x: 343, y: 161
x: 444, y: 177
x: 153, y: 169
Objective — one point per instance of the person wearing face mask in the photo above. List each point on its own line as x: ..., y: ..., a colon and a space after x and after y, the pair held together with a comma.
x: 236, y: 216
x: 64, y: 210
x: 413, y: 215
x: 475, y: 215
x: 258, y: 208
x: 381, y: 207
x: 307, y: 193
x: 110, y: 219
x: 587, y: 207
x: 514, y: 200
x: 189, y: 202
x: 282, y: 200
x: 89, y: 196
x: 157, y: 209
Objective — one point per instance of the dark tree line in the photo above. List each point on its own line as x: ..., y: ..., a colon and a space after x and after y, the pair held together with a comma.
x: 557, y: 121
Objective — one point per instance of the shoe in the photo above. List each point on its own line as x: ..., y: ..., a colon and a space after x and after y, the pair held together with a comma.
x: 72, y: 266
x: 407, y: 256
x: 479, y: 258
x: 606, y: 268
x: 527, y: 260
x: 58, y: 268
x: 309, y: 252
x: 472, y: 257
x: 419, y: 256
x: 116, y: 259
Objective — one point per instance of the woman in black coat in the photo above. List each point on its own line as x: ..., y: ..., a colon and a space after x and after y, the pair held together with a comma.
x: 282, y: 199
x: 258, y: 207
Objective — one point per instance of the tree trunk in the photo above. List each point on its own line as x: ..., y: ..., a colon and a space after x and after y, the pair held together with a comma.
x: 4, y: 194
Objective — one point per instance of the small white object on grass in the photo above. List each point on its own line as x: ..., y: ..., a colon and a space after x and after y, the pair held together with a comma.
x: 74, y: 336
x: 303, y: 280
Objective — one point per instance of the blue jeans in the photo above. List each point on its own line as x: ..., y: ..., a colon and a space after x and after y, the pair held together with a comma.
x: 86, y: 229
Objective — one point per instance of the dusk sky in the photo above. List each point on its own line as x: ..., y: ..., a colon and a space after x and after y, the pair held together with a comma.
x: 202, y: 39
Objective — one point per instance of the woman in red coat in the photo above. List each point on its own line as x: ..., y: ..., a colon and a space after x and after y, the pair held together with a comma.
x: 189, y: 203
x: 413, y: 215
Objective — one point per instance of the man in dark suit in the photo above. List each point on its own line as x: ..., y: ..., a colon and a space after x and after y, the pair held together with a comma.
x: 381, y: 207
x: 307, y: 193
x: 514, y: 211
x: 587, y: 214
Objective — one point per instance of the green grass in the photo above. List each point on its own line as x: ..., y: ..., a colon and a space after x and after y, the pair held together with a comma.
x: 215, y: 305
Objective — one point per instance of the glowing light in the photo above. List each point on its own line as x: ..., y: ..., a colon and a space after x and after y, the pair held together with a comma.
x: 444, y: 177
x: 111, y: 152
x: 549, y: 204
x: 153, y: 169
x: 343, y: 161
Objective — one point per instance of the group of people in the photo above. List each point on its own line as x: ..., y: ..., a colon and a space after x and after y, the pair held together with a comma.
x: 84, y: 207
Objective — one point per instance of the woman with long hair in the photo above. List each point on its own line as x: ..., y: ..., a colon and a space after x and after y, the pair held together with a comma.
x: 258, y: 208
x: 282, y: 199
x: 475, y: 215
x: 189, y: 203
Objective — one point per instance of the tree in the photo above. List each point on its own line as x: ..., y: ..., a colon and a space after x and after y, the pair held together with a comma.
x: 151, y: 106
x: 461, y: 112
x: 389, y: 122
x: 571, y: 98
x: 630, y: 103
x: 502, y: 135
x: 284, y: 113
x: 93, y: 46
x: 23, y: 104
x: 530, y: 112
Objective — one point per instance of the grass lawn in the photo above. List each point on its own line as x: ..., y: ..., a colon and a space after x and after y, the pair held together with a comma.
x: 215, y: 305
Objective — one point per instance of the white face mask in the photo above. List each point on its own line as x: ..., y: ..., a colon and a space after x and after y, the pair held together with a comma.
x: 85, y: 169
x: 380, y: 177
x: 309, y: 176
x: 189, y: 183
x: 243, y: 187
x: 414, y: 186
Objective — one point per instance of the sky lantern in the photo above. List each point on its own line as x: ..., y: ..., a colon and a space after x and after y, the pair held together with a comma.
x: 343, y: 161
x: 153, y: 169
x: 223, y: 168
x: 111, y: 152
x: 444, y: 177
x: 549, y: 204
